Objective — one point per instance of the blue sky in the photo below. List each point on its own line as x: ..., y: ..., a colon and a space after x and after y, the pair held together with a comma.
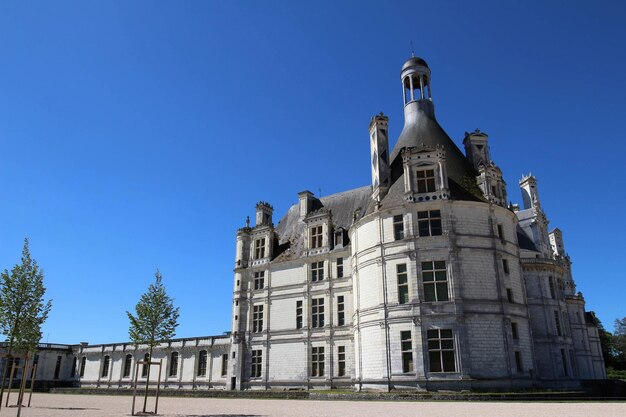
x: 137, y: 135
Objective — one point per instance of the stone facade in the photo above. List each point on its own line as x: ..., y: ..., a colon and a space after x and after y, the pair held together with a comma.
x: 426, y: 279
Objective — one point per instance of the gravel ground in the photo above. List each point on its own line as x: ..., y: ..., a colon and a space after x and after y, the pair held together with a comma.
x: 57, y: 405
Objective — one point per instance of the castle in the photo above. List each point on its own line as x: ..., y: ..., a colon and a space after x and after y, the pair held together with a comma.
x: 425, y: 279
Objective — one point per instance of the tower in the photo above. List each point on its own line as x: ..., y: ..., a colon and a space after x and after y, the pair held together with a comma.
x: 379, y: 146
x: 477, y: 148
x: 416, y: 88
x: 530, y: 195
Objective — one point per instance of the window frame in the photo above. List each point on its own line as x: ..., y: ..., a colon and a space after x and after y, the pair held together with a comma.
x: 317, y: 361
x: 429, y: 223
x: 339, y: 267
x: 317, y: 313
x: 341, y: 361
x: 173, y: 365
x: 316, y: 236
x: 203, y: 359
x: 317, y: 271
x: 406, y: 347
x: 128, y: 364
x: 398, y: 227
x: 424, y: 182
x: 341, y: 311
x: 257, y: 318
x: 299, y: 314
x: 256, y: 367
x: 259, y: 280
x: 259, y: 248
x: 106, y: 363
x: 435, y: 269
x: 438, y: 350
x: 402, y: 277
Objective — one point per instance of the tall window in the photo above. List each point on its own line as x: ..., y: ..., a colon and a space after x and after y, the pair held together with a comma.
x: 441, y: 350
x: 105, y: 366
x: 518, y: 362
x: 202, y: 362
x: 83, y: 363
x: 146, y: 365
x: 407, y: 351
x: 317, y: 361
x: 128, y: 360
x: 509, y: 295
x: 73, y: 371
x: 257, y: 318
x: 429, y: 223
x: 341, y: 314
x: 259, y: 248
x: 57, y: 368
x: 398, y: 227
x: 341, y: 361
x: 174, y: 364
x: 317, y: 271
x: 316, y: 237
x: 501, y: 232
x: 339, y: 238
x: 564, y: 362
x: 514, y: 331
x: 557, y: 323
x: 403, y: 284
x: 505, y: 266
x: 298, y: 314
x: 435, y: 280
x: 224, y: 364
x: 259, y: 280
x: 317, y: 312
x: 255, y: 371
x: 552, y: 290
x: 339, y: 267
x: 426, y: 181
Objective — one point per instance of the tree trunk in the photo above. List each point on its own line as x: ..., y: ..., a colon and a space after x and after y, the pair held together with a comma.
x: 145, y: 395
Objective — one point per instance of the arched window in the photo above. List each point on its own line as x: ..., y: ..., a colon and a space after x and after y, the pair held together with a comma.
x: 144, y: 368
x: 202, y: 363
x: 105, y: 366
x: 127, y: 363
x: 174, y: 364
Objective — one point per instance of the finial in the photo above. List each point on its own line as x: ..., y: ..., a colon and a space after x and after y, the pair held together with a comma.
x: 247, y: 221
x: 412, y: 50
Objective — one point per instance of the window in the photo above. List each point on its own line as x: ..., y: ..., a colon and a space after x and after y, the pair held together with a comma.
x: 317, y: 271
x: 403, y: 284
x: 83, y: 363
x: 174, y: 364
x: 105, y: 366
x: 339, y: 238
x: 564, y: 362
x: 255, y: 371
x: 509, y: 295
x: 224, y: 364
x: 501, y: 232
x: 317, y: 361
x: 73, y: 371
x: 341, y: 315
x: 127, y: 363
x: 341, y: 361
x: 518, y: 362
x: 298, y: 314
x: 557, y: 322
x: 57, y: 368
x: 407, y: 351
x: 398, y: 227
x: 339, y: 267
x: 426, y: 181
x: 505, y: 266
x: 435, y: 280
x: 552, y: 291
x: 317, y: 312
x: 316, y: 237
x: 259, y: 280
x: 202, y: 362
x: 514, y: 331
x: 429, y: 223
x: 259, y: 248
x: 441, y: 350
x: 146, y: 365
x: 257, y: 318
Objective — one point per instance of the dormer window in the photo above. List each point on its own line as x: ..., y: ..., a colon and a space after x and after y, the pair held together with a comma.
x: 426, y: 181
x: 259, y: 248
x: 316, y: 237
x: 339, y: 238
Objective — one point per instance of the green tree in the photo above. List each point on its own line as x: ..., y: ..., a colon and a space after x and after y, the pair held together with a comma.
x: 155, y: 321
x: 619, y: 344
x: 22, y: 307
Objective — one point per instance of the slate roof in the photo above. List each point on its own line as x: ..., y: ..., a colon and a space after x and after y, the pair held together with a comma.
x: 426, y: 130
x: 342, y: 208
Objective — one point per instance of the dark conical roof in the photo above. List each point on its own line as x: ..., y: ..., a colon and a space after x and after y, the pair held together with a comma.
x: 424, y: 130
